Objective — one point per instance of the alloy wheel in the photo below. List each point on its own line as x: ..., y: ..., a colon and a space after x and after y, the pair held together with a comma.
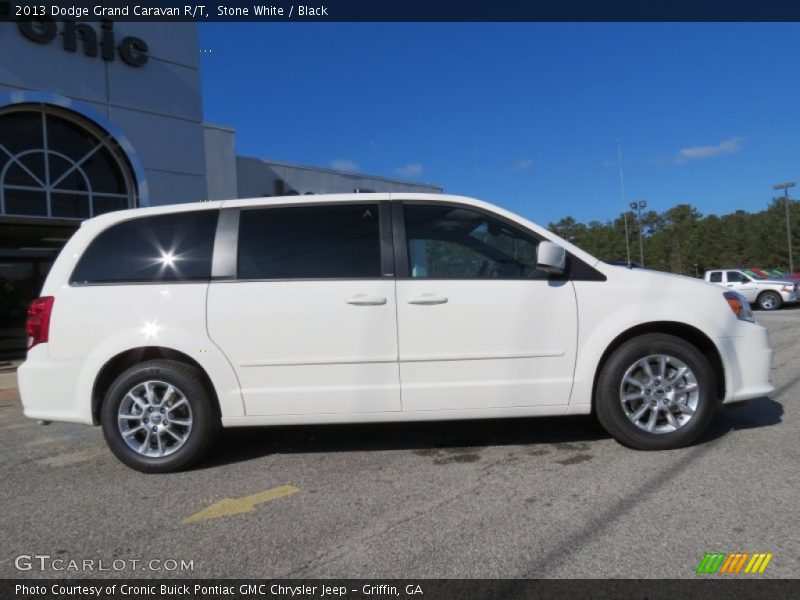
x: 659, y: 394
x: 154, y: 419
x: 768, y: 302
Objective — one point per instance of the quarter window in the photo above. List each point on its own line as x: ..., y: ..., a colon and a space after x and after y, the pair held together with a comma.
x: 446, y: 242
x: 716, y: 277
x: 172, y: 247
x: 310, y: 242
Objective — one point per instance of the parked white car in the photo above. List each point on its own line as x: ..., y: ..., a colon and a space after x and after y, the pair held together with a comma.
x: 163, y: 324
x: 767, y: 294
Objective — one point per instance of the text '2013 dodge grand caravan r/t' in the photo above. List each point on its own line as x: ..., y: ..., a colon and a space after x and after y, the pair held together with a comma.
x: 164, y: 324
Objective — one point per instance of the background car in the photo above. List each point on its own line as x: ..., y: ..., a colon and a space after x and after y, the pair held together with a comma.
x: 767, y: 294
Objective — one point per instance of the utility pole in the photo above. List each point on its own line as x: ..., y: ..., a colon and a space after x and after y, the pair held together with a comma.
x: 622, y: 193
x: 785, y: 187
x: 638, y: 206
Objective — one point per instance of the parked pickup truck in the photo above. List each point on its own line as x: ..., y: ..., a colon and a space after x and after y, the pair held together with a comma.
x: 767, y: 294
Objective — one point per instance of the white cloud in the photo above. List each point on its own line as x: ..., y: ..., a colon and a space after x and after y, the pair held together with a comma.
x: 608, y: 163
x: 728, y: 146
x: 343, y: 164
x: 409, y: 170
x: 523, y: 164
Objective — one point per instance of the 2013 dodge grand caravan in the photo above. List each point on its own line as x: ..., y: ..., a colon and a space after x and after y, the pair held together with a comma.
x: 164, y: 324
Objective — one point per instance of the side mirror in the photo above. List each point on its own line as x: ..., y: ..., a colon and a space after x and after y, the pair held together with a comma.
x: 551, y: 258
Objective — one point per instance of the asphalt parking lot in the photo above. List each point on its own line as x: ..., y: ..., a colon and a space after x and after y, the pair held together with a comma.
x: 514, y: 498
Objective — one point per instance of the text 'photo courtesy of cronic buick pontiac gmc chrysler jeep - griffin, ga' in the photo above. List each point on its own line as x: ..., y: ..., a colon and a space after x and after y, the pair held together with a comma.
x: 165, y: 324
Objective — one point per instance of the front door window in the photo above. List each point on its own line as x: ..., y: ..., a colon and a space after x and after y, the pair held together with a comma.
x: 446, y: 242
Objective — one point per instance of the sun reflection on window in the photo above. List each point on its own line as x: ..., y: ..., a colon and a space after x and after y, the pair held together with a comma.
x: 168, y: 259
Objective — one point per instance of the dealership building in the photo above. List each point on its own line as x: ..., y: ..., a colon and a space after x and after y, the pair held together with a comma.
x: 106, y: 116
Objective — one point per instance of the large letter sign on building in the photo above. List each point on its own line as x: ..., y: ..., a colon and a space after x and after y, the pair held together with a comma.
x: 43, y: 30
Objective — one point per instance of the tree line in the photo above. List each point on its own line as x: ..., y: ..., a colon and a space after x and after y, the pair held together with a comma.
x: 682, y: 240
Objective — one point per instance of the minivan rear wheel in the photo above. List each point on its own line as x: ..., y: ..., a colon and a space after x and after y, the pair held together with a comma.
x: 158, y: 417
x: 656, y: 392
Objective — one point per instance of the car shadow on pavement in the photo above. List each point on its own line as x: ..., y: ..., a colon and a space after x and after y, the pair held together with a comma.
x: 242, y: 444
x: 789, y: 307
x: 759, y: 412
x: 249, y: 443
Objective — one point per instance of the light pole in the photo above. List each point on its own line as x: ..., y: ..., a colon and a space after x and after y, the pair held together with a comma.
x: 785, y: 187
x: 638, y: 206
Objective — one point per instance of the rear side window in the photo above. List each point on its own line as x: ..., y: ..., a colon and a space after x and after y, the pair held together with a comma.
x: 716, y: 277
x: 310, y: 242
x: 172, y: 247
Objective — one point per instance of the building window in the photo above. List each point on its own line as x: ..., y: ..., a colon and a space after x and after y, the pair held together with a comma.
x: 54, y: 165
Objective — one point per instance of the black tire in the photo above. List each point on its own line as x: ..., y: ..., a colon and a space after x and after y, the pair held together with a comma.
x: 769, y: 300
x: 609, y: 407
x: 204, y: 415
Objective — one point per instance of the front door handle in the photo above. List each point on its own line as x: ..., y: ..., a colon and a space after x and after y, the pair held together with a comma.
x: 366, y: 300
x: 427, y: 299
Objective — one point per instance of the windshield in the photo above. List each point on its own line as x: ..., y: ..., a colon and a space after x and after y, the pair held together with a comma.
x: 755, y: 274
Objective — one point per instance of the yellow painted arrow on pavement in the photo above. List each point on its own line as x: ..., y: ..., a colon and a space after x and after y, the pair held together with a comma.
x: 236, y: 506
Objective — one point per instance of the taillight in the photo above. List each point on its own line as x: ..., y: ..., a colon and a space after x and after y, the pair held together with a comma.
x: 37, y: 327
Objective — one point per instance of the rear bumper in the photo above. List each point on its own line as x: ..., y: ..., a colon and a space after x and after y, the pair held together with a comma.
x: 748, y: 362
x: 49, y: 388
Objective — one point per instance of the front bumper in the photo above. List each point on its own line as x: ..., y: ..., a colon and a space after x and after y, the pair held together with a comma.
x: 790, y: 297
x: 747, y: 359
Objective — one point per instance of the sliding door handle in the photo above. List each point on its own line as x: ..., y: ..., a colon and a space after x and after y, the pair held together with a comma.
x: 427, y: 299
x: 366, y: 300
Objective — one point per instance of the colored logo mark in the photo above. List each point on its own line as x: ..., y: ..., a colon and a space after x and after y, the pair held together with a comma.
x: 736, y: 562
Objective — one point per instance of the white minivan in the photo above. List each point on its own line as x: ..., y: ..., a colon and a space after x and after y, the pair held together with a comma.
x: 165, y: 324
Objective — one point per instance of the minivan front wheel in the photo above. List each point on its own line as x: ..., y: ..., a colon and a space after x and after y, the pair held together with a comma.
x: 157, y: 416
x: 656, y: 392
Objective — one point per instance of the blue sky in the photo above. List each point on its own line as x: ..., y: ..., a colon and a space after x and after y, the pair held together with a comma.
x: 523, y: 115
